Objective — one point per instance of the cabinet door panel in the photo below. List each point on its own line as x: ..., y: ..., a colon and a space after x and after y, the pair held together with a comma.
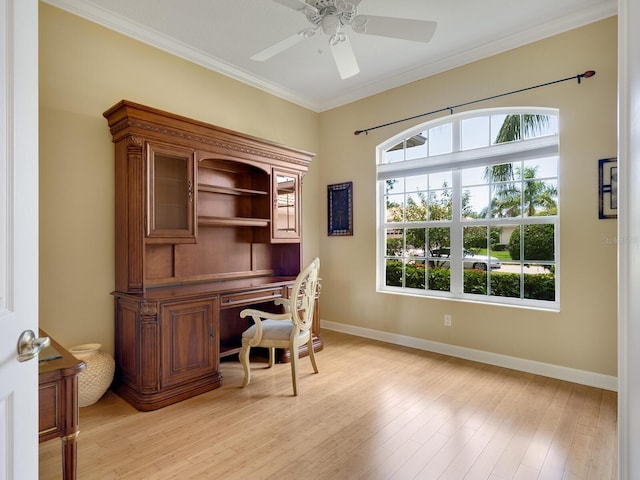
x: 286, y: 206
x: 171, y: 183
x: 189, y: 341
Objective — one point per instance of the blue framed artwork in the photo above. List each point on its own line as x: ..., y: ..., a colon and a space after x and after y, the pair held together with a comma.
x: 608, y: 188
x: 340, y: 209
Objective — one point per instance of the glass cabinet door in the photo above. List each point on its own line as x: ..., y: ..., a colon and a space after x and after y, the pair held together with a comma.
x: 286, y: 205
x: 171, y: 210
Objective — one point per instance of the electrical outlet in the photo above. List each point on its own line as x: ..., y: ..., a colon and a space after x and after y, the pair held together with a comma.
x: 447, y: 320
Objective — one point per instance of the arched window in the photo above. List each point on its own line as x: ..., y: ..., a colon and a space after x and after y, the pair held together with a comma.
x: 468, y: 208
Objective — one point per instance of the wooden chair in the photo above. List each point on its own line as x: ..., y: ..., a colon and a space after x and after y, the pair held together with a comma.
x: 284, y: 330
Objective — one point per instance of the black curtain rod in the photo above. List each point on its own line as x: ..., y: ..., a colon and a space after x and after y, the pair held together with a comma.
x: 579, y: 77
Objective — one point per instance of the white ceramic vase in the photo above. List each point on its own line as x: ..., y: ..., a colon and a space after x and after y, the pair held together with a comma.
x: 94, y: 380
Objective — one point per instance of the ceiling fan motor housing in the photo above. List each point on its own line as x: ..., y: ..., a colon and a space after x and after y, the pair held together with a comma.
x: 332, y: 12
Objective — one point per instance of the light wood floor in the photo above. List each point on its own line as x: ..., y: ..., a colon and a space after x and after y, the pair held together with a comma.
x: 374, y: 411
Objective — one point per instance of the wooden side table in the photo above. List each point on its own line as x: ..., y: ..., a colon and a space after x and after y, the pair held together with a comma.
x: 59, y: 415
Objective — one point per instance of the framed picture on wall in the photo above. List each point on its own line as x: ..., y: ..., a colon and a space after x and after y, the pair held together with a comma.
x: 340, y: 209
x: 608, y: 188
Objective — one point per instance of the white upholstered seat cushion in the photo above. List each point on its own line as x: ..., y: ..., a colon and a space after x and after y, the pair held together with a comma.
x: 271, y: 330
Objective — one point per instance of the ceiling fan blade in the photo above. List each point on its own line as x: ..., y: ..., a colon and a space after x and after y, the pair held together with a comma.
x: 293, y: 4
x: 403, y: 28
x: 277, y: 48
x: 345, y: 59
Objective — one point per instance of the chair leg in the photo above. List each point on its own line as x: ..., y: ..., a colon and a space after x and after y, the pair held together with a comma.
x: 244, y: 360
x: 272, y: 357
x: 312, y: 355
x: 294, y: 369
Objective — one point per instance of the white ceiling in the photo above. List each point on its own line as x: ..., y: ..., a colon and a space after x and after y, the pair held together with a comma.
x: 223, y: 34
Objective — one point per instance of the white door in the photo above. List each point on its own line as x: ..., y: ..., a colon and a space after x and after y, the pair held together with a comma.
x: 18, y: 236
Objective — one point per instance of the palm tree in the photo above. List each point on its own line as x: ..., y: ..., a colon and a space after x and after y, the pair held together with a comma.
x: 509, y: 201
x: 537, y: 193
x: 514, y: 127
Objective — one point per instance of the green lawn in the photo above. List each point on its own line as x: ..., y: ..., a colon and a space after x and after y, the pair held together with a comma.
x: 501, y: 255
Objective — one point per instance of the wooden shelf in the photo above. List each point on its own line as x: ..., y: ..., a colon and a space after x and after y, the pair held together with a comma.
x: 232, y: 222
x: 229, y: 190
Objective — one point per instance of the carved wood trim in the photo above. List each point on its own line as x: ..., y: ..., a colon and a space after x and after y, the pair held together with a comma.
x: 136, y: 220
x: 127, y: 117
x: 148, y: 309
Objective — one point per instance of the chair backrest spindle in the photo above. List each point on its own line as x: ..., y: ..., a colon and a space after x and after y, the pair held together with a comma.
x: 303, y: 295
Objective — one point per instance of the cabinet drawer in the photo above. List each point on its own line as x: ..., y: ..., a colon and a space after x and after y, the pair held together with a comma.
x: 247, y: 298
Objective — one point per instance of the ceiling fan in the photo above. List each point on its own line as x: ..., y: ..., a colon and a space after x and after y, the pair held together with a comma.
x: 331, y: 16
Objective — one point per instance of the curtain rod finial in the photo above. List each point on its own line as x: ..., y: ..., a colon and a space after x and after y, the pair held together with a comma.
x: 587, y: 74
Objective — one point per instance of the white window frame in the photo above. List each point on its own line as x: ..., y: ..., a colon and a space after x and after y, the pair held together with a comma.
x: 455, y: 161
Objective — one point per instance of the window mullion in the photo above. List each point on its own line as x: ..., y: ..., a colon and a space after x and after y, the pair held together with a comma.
x: 456, y: 234
x: 456, y: 215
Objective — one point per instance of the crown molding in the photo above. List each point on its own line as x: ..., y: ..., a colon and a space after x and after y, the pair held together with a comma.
x: 139, y: 32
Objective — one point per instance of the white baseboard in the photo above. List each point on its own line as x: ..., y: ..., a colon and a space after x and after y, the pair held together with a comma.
x: 582, y: 377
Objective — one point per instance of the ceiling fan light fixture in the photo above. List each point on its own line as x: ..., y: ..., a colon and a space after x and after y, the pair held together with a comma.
x: 359, y: 24
x: 312, y: 14
x: 347, y: 10
x: 330, y: 24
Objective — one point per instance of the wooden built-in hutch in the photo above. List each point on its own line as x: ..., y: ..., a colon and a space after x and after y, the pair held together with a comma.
x: 208, y: 222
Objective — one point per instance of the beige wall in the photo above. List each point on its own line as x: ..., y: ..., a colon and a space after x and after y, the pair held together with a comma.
x: 85, y: 69
x: 583, y: 334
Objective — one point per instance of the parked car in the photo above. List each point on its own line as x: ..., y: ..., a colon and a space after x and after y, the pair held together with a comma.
x: 471, y: 260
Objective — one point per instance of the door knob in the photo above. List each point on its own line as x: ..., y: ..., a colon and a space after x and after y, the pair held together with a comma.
x: 29, y: 346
